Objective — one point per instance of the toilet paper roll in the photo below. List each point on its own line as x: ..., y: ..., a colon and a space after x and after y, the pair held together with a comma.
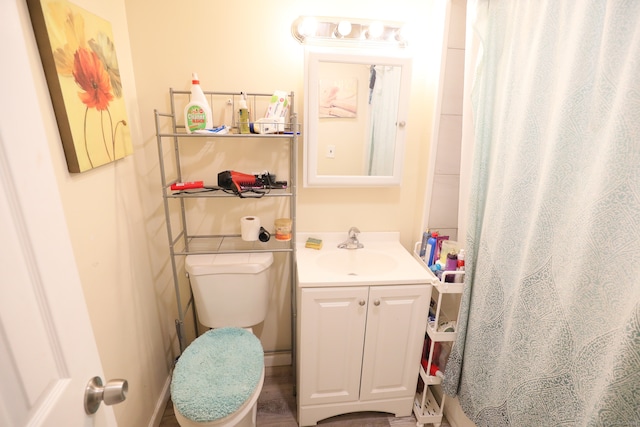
x: 250, y: 228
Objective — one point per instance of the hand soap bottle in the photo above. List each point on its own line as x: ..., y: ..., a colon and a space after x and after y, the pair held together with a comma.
x: 243, y: 114
x: 197, y: 113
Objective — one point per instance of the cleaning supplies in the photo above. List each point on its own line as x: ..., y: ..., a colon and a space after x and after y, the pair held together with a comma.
x: 197, y: 113
x: 313, y: 243
x: 243, y: 115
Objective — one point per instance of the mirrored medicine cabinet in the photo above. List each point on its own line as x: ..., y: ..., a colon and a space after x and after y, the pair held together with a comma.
x: 356, y: 107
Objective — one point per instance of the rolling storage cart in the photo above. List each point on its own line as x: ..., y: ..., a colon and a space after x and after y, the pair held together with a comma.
x: 427, y: 407
x: 181, y: 241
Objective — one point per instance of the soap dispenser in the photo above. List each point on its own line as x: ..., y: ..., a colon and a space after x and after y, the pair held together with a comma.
x: 243, y: 114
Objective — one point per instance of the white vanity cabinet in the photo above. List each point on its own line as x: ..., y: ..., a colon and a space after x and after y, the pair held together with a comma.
x: 359, y: 348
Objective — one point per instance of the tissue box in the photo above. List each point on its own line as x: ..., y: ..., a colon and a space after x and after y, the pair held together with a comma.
x: 278, y: 105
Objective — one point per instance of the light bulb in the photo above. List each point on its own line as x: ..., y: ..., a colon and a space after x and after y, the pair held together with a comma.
x: 308, y: 26
x: 375, y: 29
x: 344, y: 28
x: 403, y: 34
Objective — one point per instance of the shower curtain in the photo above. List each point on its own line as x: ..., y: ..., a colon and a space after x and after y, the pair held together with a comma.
x: 549, y: 332
x: 383, y: 103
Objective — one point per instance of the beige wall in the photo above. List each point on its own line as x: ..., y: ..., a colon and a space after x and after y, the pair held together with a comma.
x: 253, y: 50
x: 109, y: 227
x: 115, y: 212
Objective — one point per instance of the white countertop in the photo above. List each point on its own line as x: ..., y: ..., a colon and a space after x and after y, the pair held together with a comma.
x: 382, y: 261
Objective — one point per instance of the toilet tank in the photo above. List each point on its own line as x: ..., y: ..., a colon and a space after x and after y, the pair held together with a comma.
x: 230, y: 289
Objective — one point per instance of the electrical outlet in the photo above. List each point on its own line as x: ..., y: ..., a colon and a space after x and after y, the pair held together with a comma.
x: 331, y: 151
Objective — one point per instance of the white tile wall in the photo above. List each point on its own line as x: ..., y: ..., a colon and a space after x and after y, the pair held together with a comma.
x: 457, y: 24
x: 453, y: 82
x: 448, y: 150
x: 444, y: 202
x: 443, y: 211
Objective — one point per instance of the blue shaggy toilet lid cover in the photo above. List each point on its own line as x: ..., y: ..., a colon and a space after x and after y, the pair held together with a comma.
x: 217, y: 374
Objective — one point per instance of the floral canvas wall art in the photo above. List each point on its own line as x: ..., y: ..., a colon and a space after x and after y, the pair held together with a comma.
x: 79, y: 59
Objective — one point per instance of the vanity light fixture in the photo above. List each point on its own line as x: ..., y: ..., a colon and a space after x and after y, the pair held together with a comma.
x: 327, y: 31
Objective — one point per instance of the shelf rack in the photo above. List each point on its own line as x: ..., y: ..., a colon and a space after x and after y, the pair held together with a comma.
x: 426, y: 408
x: 182, y: 243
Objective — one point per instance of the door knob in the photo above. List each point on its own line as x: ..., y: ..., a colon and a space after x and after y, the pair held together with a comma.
x: 376, y: 302
x: 361, y: 302
x: 115, y: 391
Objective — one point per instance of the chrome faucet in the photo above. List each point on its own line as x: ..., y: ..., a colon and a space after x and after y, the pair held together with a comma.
x: 352, y: 242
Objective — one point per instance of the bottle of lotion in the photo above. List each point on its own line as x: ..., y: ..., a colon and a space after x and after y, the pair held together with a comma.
x: 197, y: 113
x: 243, y: 115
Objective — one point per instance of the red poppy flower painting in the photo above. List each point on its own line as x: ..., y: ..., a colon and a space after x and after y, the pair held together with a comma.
x: 92, y: 78
x: 81, y: 67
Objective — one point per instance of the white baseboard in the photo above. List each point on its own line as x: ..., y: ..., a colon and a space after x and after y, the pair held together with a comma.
x: 455, y: 415
x: 277, y: 358
x: 158, y: 412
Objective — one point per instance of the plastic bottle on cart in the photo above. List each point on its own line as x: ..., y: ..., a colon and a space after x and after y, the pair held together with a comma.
x: 197, y: 113
x: 435, y: 371
x: 423, y: 244
x: 431, y: 248
x: 460, y: 277
x: 451, y: 265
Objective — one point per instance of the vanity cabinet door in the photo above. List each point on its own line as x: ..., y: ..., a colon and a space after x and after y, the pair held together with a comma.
x: 332, y: 326
x: 396, y: 323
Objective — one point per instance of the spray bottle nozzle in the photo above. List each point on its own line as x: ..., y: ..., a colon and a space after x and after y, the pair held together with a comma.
x: 243, y: 100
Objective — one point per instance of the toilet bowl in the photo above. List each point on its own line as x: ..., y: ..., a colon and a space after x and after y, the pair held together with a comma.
x: 219, y: 376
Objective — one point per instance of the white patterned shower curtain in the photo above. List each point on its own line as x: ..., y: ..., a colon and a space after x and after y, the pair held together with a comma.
x: 549, y: 333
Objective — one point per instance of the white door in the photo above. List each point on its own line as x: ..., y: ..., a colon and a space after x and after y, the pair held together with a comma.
x: 47, y: 349
x: 396, y: 323
x: 332, y: 324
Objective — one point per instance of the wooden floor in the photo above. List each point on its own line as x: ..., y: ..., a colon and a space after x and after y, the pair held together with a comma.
x: 277, y: 407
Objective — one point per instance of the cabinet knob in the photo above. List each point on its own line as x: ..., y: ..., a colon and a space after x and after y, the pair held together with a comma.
x: 376, y: 302
x: 361, y: 302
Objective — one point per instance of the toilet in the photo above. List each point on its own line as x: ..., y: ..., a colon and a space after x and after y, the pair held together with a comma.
x: 219, y: 376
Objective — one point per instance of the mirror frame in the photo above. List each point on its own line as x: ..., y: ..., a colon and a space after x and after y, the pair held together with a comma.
x: 313, y: 56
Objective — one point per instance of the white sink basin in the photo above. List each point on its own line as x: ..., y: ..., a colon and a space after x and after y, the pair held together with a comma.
x: 382, y: 261
x: 356, y: 262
